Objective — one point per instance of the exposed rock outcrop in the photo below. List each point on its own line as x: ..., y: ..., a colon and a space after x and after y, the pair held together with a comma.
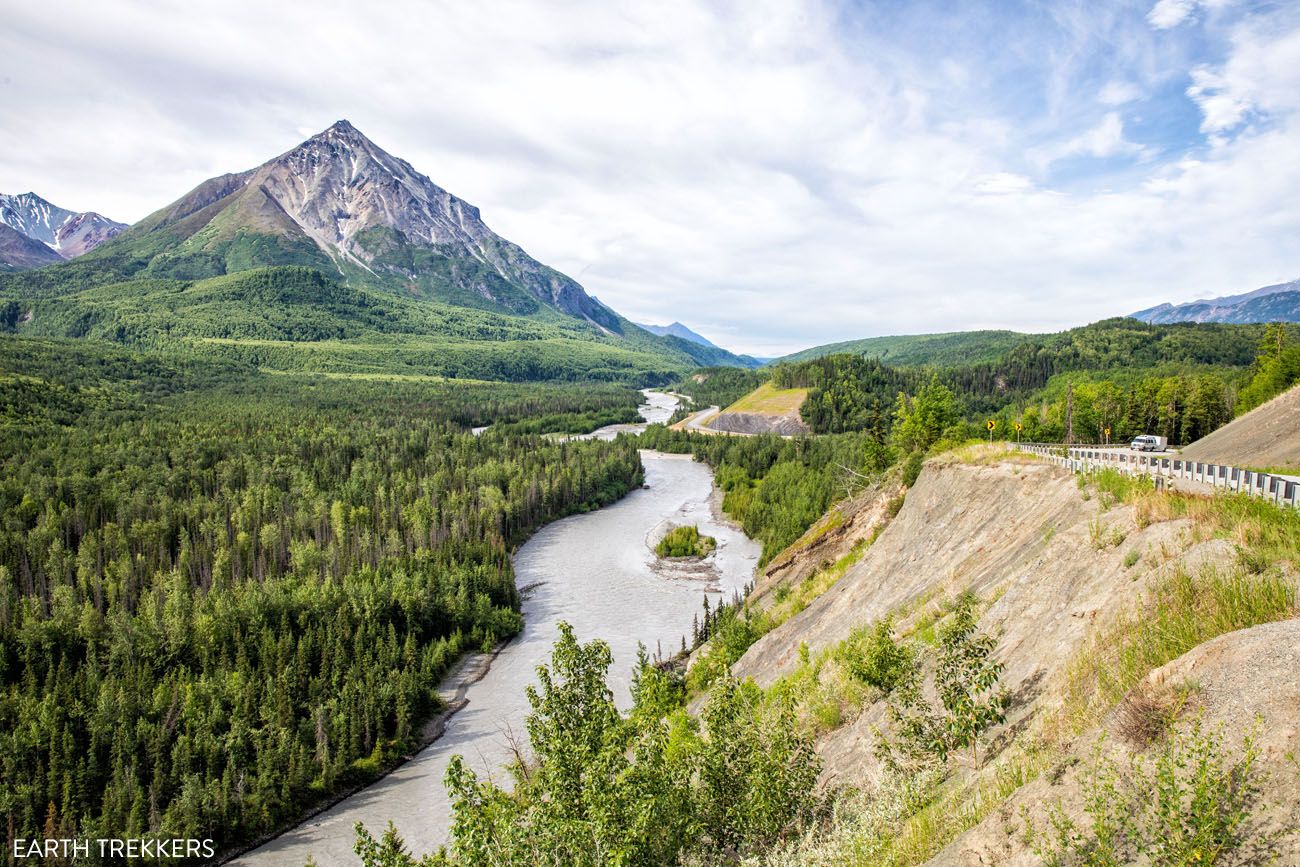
x: 789, y: 424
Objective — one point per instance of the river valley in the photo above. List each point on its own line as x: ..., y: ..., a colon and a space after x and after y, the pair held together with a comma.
x: 596, y: 571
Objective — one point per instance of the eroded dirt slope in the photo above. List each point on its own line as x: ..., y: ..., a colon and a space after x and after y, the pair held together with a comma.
x: 1050, y: 561
x: 1267, y: 436
x: 1247, y: 683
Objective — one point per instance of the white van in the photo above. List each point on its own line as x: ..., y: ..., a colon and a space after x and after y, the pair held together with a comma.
x: 1148, y: 443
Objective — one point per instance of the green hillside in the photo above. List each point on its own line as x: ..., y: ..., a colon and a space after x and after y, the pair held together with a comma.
x: 297, y: 318
x: 1180, y: 380
x: 906, y: 350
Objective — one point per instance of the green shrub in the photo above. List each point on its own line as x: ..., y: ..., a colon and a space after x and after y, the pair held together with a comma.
x: 874, y: 658
x: 912, y: 468
x: 893, y: 507
x: 685, y: 541
x: 1190, y: 804
x: 971, y: 699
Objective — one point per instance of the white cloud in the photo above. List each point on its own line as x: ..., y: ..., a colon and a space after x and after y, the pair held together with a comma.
x: 1170, y: 13
x: 751, y: 170
x: 1001, y: 183
x: 1102, y: 141
x: 1167, y: 14
x: 1117, y: 93
x: 1260, y: 78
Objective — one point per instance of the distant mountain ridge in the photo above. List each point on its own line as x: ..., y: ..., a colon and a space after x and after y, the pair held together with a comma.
x: 677, y: 329
x: 1279, y: 302
x: 943, y: 348
x: 67, y: 234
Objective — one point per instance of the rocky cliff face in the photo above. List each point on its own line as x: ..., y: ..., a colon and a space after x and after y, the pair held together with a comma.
x: 375, y: 218
x: 67, y: 233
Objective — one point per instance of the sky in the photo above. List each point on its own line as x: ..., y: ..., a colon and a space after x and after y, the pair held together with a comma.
x: 774, y: 174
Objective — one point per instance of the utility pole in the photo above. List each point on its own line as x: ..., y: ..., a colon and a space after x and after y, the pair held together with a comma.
x: 1069, y: 415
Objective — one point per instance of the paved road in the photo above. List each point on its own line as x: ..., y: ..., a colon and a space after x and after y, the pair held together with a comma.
x: 696, y: 422
x: 1184, y: 479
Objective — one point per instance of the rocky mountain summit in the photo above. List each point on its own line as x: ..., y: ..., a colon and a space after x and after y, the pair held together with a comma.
x: 67, y: 234
x: 340, y: 202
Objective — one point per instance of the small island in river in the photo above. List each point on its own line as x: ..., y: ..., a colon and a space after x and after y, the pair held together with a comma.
x: 686, y: 542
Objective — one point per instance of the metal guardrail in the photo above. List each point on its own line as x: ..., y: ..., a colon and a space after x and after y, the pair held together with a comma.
x: 1280, y: 490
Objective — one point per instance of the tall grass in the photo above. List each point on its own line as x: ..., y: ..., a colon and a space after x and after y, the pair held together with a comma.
x: 1182, y: 612
x: 907, y: 820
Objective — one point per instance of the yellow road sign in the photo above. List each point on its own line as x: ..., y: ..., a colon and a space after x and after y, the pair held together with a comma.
x: 1019, y: 427
x: 992, y: 424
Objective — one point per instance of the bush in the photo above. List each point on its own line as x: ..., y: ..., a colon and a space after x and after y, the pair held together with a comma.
x: 876, y: 659
x: 912, y: 468
x: 1191, y: 804
x: 685, y: 542
x: 970, y: 697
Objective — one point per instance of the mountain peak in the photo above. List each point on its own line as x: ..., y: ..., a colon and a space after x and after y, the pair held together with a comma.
x: 67, y: 233
x: 677, y: 329
x: 341, y: 129
x: 339, y: 202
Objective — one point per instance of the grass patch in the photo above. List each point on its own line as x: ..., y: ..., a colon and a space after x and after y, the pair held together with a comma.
x: 802, y: 594
x: 832, y: 520
x: 907, y: 820
x: 1182, y: 612
x: 982, y: 454
x: 769, y: 400
x: 925, y: 834
x: 1277, y: 471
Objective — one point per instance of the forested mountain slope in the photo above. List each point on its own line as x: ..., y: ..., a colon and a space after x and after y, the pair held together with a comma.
x: 949, y: 348
x: 1180, y: 381
x: 337, y: 255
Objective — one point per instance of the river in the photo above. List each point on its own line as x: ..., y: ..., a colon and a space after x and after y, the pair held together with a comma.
x: 598, y: 572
